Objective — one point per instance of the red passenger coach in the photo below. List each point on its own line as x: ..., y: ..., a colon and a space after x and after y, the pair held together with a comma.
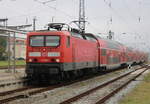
x: 110, y: 54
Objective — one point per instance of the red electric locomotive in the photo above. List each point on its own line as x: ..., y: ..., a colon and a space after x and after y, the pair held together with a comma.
x: 61, y: 52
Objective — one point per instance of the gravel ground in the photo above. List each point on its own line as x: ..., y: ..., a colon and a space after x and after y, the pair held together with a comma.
x: 60, y: 94
x: 9, y: 77
x: 126, y: 90
x: 96, y: 96
x: 12, y: 86
x: 20, y: 93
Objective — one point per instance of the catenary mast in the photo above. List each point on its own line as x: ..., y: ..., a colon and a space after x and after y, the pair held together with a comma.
x: 81, y: 21
x: 82, y: 15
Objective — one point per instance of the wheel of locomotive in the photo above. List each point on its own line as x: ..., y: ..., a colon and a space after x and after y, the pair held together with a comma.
x: 75, y: 74
x: 95, y: 70
x: 72, y: 75
x: 80, y: 73
x: 85, y: 71
x: 29, y: 78
x: 103, y: 69
x: 65, y: 76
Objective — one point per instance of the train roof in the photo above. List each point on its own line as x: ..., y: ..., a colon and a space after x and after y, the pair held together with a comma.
x: 67, y: 33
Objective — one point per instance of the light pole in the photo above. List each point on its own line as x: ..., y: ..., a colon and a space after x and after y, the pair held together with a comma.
x: 34, y: 20
x: 14, y: 52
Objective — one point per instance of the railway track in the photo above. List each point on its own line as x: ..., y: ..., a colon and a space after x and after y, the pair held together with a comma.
x: 25, y: 92
x: 6, y: 67
x: 10, y: 96
x: 12, y: 82
x: 111, y: 94
x: 105, y: 97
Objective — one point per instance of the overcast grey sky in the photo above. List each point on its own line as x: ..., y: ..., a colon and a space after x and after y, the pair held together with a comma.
x: 125, y: 16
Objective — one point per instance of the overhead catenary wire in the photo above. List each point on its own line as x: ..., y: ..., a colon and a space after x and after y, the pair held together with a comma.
x: 31, y: 13
x: 136, y: 17
x: 64, y: 13
x: 138, y: 20
x: 39, y: 11
x: 120, y: 17
x: 130, y: 12
x: 45, y: 2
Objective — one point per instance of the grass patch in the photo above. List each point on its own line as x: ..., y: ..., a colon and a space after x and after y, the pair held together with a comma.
x: 18, y: 62
x: 140, y: 95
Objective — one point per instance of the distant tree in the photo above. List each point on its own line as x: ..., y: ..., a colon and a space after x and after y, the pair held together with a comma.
x: 3, y: 44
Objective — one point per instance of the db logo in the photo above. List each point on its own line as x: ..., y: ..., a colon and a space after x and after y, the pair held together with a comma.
x: 44, y: 54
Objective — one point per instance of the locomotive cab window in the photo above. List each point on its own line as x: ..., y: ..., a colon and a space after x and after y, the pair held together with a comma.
x: 68, y: 42
x: 37, y: 40
x: 52, y: 40
x: 44, y: 41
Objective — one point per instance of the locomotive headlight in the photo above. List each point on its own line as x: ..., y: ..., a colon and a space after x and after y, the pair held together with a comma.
x: 53, y: 54
x: 57, y: 60
x: 30, y: 60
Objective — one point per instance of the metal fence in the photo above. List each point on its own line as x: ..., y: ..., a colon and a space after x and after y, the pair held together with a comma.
x: 11, y: 33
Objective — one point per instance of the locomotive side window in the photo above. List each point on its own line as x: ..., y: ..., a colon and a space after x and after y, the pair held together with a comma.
x: 68, y: 41
x: 37, y: 41
x: 52, y: 40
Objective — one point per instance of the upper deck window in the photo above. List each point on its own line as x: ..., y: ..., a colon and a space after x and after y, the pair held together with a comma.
x: 90, y: 38
x: 44, y: 41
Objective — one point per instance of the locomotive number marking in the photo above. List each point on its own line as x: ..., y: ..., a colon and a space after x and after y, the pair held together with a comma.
x: 44, y: 54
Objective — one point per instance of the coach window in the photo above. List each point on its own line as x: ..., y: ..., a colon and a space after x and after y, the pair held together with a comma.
x: 68, y: 42
x: 103, y: 52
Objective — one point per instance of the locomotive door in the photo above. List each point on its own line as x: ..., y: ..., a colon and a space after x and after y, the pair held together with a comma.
x: 73, y: 57
x: 99, y: 53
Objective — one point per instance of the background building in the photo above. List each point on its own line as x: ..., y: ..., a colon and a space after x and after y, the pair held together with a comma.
x: 20, y: 46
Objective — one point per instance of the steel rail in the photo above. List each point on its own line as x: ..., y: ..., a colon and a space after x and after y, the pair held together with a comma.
x: 105, y: 98
x: 75, y: 98
x: 25, y: 95
x: 13, y: 83
x: 30, y: 93
x: 14, y: 91
x: 6, y: 100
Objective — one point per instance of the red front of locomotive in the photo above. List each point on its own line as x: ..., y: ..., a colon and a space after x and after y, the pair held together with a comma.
x: 45, y: 51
